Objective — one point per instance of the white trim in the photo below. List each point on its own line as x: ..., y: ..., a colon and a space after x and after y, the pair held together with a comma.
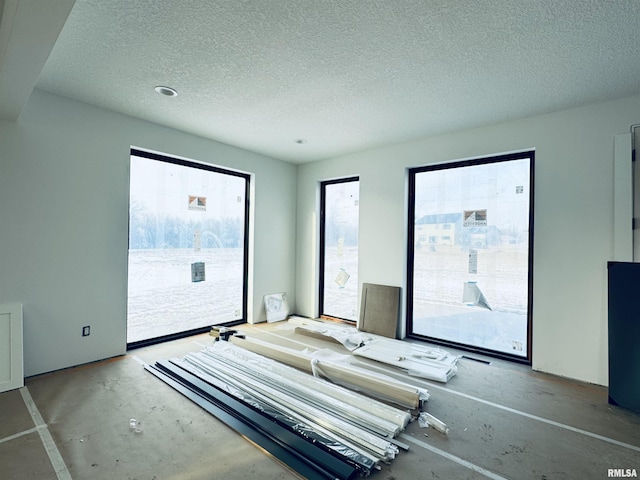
x: 622, y: 199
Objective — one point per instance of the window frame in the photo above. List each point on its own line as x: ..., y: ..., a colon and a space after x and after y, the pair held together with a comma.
x: 245, y: 243
x: 322, y: 245
x: 412, y: 172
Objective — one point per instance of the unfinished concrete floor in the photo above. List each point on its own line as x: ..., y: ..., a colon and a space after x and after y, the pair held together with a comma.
x: 506, y: 422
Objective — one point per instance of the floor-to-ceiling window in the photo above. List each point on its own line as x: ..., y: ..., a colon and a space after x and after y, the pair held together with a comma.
x: 470, y: 254
x: 187, y: 247
x: 339, y: 248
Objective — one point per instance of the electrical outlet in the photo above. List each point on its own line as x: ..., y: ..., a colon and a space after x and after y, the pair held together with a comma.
x: 86, y: 331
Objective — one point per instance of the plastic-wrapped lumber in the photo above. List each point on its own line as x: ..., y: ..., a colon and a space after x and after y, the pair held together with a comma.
x: 417, y: 360
x: 413, y: 365
x: 360, y: 379
x: 352, y: 435
x: 378, y: 416
x: 363, y: 461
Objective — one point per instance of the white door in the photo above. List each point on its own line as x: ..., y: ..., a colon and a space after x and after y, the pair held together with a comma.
x: 11, y: 364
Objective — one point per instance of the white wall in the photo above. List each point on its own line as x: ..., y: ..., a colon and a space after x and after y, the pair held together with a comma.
x: 64, y: 221
x: 573, y: 222
x: 64, y: 214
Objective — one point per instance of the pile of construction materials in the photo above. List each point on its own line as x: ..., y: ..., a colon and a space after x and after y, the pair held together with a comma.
x: 430, y: 363
x: 325, y: 414
x: 339, y: 433
x: 338, y: 369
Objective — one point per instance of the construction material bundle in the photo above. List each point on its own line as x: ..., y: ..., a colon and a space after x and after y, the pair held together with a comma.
x: 340, y: 371
x: 306, y: 458
x: 353, y: 429
x: 416, y: 360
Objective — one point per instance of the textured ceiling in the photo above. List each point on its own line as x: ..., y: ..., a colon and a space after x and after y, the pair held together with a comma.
x: 345, y: 75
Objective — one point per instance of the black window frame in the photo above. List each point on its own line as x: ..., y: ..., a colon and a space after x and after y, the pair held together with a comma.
x: 528, y: 154
x: 322, y: 244
x: 245, y: 267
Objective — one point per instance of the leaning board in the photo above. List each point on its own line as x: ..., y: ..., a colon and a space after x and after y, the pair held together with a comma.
x: 379, y: 309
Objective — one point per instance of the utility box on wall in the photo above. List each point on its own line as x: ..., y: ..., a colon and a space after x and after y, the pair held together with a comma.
x: 624, y: 334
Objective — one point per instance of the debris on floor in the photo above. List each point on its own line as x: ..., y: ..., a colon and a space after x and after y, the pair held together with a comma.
x: 222, y: 333
x: 135, y: 426
x: 426, y: 420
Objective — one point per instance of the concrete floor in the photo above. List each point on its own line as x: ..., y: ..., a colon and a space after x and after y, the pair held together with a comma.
x: 506, y: 422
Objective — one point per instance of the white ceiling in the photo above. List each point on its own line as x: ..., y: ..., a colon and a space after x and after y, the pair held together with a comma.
x: 345, y: 75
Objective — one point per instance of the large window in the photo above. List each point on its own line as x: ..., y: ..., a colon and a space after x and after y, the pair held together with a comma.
x: 339, y: 248
x: 187, y: 247
x: 470, y: 254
